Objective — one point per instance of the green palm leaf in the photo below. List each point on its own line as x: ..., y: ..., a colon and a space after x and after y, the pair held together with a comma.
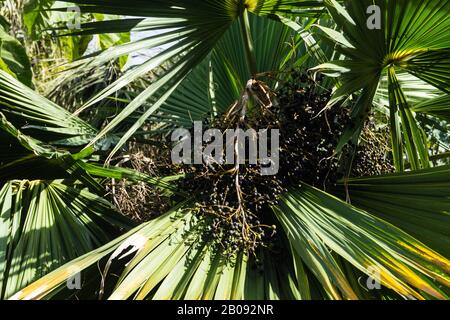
x: 219, y: 80
x: 38, y: 116
x: 315, y: 221
x: 438, y: 106
x: 417, y: 202
x: 412, y: 39
x: 170, y: 260
x: 13, y: 58
x: 45, y: 224
x: 327, y: 245
x: 191, y: 29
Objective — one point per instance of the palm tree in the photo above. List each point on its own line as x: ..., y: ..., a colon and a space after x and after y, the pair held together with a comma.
x: 397, y: 224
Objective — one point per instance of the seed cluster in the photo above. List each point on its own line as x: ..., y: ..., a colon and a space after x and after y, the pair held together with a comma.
x: 310, y: 132
x: 233, y: 200
x: 235, y: 203
x: 372, y: 154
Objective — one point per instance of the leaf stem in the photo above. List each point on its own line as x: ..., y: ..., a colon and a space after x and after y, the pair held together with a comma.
x: 248, y: 42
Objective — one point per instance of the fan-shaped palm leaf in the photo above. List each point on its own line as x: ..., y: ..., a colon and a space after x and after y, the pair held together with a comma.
x: 417, y: 202
x: 170, y: 259
x: 412, y: 38
x: 190, y: 30
x: 45, y: 224
x: 35, y: 114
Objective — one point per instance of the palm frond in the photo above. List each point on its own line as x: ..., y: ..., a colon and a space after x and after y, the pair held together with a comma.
x: 13, y: 58
x: 219, y: 80
x: 439, y: 106
x: 38, y: 116
x: 315, y: 221
x: 168, y: 258
x: 190, y: 30
x: 44, y: 225
x: 412, y: 39
x: 417, y: 202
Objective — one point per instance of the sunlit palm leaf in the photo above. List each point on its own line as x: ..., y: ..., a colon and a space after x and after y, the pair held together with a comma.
x: 198, y: 27
x: 417, y: 202
x: 44, y: 225
x: 416, y: 90
x: 413, y: 137
x: 190, y: 29
x: 168, y: 258
x: 412, y: 38
x: 34, y: 114
x: 219, y: 80
x: 315, y: 220
x: 439, y: 106
x: 327, y: 244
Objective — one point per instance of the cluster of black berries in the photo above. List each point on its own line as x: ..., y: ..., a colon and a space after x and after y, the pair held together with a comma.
x: 235, y: 200
x: 309, y: 132
x: 235, y: 204
x: 373, y: 154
